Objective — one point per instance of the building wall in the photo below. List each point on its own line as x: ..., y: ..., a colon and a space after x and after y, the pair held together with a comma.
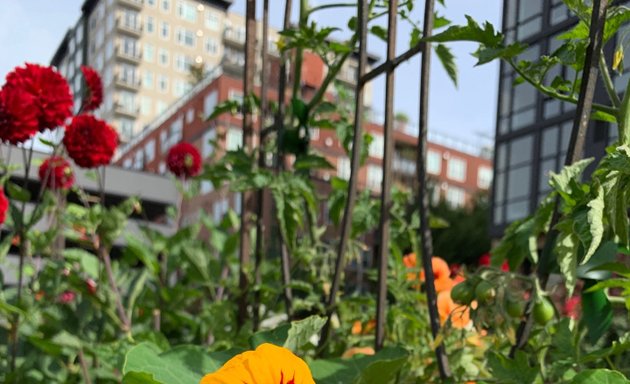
x: 533, y: 131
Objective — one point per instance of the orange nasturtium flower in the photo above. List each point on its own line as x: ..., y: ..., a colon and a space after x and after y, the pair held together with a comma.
x: 441, y: 272
x: 459, y: 314
x: 358, y: 351
x: 268, y: 364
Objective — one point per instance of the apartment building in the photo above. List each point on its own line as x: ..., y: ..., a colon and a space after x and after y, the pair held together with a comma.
x: 143, y: 50
x: 533, y: 131
x: 458, y: 172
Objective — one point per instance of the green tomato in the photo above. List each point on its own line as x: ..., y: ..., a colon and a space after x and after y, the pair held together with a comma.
x: 514, y: 308
x: 484, y: 292
x: 463, y: 293
x: 543, y: 311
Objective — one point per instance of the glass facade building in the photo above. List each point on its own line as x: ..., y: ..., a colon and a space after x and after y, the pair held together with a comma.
x: 533, y: 131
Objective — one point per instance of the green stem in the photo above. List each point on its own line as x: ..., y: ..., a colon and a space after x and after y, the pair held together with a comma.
x: 608, y: 83
x: 332, y: 74
x: 299, y: 54
x: 624, y: 117
x: 546, y: 91
x: 332, y: 5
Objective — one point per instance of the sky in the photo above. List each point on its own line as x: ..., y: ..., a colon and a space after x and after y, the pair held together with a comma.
x: 30, y: 31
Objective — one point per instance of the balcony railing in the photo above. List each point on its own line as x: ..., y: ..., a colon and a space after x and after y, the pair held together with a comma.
x: 131, y: 83
x: 233, y: 36
x: 127, y: 110
x: 135, y: 4
x: 132, y: 28
x: 130, y: 55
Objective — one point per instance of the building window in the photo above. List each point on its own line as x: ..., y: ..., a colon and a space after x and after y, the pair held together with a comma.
x: 456, y: 169
x: 125, y: 126
x: 212, y: 46
x: 377, y: 146
x: 484, y: 177
x: 190, y: 115
x: 165, y: 30
x: 455, y: 197
x: 343, y: 168
x: 186, y: 11
x: 149, y: 151
x: 151, y: 3
x: 185, y: 37
x: 374, y: 177
x: 127, y: 163
x: 179, y: 88
x: 434, y: 162
x: 149, y: 52
x: 166, y: 5
x: 234, y: 139
x: 182, y: 63
x: 160, y: 107
x: 209, y: 103
x: 147, y: 79
x: 206, y: 187
x: 150, y: 24
x: 163, y: 57
x: 145, y: 106
x: 162, y: 83
x: 212, y: 20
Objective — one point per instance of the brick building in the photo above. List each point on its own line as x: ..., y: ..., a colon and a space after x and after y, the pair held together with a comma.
x: 458, y: 171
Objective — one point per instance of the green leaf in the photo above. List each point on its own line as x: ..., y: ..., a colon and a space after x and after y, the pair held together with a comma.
x: 140, y: 251
x: 89, y: 263
x: 561, y: 181
x: 300, y: 110
x: 380, y: 368
x: 229, y: 106
x: 566, y: 253
x: 136, y: 288
x: 312, y: 161
x: 596, y: 312
x: 447, y: 59
x: 302, y: 330
x: 379, y: 32
x: 470, y: 32
x: 185, y: 364
x: 18, y: 193
x: 595, y: 225
x: 508, y: 371
x: 599, y: 376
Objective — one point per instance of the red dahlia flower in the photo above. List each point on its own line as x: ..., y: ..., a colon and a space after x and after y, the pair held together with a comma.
x: 56, y: 173
x: 18, y: 118
x: 94, y: 94
x: 4, y: 205
x: 52, y: 97
x: 90, y: 142
x: 184, y: 160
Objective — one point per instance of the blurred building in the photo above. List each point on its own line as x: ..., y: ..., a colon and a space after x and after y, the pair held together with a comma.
x: 144, y: 49
x: 458, y: 171
x: 533, y: 131
x: 156, y: 193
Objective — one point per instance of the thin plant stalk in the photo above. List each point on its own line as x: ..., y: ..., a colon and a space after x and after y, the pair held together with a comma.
x: 424, y: 231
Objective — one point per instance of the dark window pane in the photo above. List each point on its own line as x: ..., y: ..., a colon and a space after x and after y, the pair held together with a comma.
x: 555, y: 43
x: 504, y: 125
x: 566, y: 136
x: 519, y: 183
x: 529, y: 28
x: 501, y: 157
x: 506, y: 95
x: 521, y: 151
x: 517, y: 210
x: 552, y: 73
x: 549, y: 142
x: 529, y: 8
x: 522, y: 119
x: 510, y: 13
x: 558, y: 14
x: 524, y: 96
x: 499, y: 181
x: 498, y: 215
x: 551, y: 108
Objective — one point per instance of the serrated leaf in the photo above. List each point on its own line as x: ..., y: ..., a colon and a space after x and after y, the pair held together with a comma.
x: 595, y: 219
x: 447, y: 59
x: 377, y: 369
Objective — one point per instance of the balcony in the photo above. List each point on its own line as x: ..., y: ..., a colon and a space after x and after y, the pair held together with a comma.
x: 234, y: 37
x: 131, y: 28
x: 130, y: 83
x: 131, y: 111
x: 233, y: 64
x: 133, y: 56
x: 134, y: 4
